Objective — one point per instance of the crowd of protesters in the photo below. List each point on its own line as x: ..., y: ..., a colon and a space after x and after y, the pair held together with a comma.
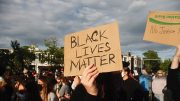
x: 116, y: 86
x: 94, y: 86
x: 25, y: 87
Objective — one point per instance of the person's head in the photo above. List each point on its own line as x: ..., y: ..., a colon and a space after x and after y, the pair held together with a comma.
x: 42, y: 83
x: 144, y: 71
x: 125, y: 73
x: 160, y: 73
x: 58, y: 80
x: 50, y: 84
x: 125, y: 64
x: 25, y: 72
x: 7, y: 77
x: 20, y: 83
x: 108, y: 85
x: 64, y: 80
x: 32, y: 91
x: 2, y: 83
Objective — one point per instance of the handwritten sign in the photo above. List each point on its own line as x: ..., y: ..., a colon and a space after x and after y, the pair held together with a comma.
x: 163, y: 27
x: 99, y: 46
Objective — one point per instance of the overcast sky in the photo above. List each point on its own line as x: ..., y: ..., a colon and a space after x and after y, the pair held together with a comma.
x: 32, y: 21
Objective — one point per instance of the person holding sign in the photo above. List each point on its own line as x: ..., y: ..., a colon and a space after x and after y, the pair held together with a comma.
x: 98, y: 87
x: 131, y: 89
x: 107, y: 86
x: 99, y: 46
x: 173, y: 78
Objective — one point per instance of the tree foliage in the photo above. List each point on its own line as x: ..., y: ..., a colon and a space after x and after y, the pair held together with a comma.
x: 4, y: 60
x: 21, y: 57
x: 165, y: 65
x: 151, y: 60
x: 55, y: 54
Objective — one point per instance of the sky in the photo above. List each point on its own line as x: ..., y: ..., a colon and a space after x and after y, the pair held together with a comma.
x: 33, y: 21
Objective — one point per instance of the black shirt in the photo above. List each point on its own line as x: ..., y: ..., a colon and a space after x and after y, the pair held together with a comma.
x: 80, y: 94
x: 132, y: 91
x: 173, y: 83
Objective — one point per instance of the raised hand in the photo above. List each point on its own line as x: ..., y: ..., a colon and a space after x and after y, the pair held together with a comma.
x: 88, y: 79
x: 175, y: 61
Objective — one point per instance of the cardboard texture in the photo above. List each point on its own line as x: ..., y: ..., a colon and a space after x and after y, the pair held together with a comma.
x: 163, y: 27
x: 99, y: 46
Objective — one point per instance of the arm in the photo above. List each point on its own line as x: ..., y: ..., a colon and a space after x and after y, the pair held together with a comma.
x: 175, y: 61
x: 173, y: 70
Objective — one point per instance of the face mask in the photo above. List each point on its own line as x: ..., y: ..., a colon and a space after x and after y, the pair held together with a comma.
x: 39, y: 87
x: 122, y: 74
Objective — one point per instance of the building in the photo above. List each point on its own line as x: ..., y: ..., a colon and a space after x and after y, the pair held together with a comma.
x: 43, y: 60
x: 134, y: 60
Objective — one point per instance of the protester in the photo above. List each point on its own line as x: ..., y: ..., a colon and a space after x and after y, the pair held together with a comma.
x: 131, y: 88
x: 104, y: 87
x: 51, y: 93
x: 145, y: 82
x: 32, y: 91
x: 107, y: 86
x: 8, y: 88
x: 158, y: 83
x: 64, y: 93
x: 2, y: 88
x: 58, y: 84
x: 42, y: 82
x: 173, y: 78
x: 20, y: 90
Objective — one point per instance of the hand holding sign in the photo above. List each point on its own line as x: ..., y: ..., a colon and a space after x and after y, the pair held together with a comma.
x: 88, y: 79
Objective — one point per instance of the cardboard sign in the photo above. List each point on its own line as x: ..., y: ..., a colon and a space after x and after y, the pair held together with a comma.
x: 163, y: 27
x: 99, y: 46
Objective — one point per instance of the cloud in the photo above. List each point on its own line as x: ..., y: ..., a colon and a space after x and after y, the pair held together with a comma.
x: 137, y: 5
x: 89, y: 15
x: 33, y: 21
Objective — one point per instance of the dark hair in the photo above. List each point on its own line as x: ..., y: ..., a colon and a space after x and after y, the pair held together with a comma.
x: 44, y: 88
x: 108, y: 85
x: 64, y: 80
x: 126, y: 69
x: 125, y: 64
x: 144, y: 68
x: 50, y: 84
x: 21, y: 79
x: 33, y: 93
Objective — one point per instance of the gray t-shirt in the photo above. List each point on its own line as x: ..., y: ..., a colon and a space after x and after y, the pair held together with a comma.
x: 52, y: 97
x: 65, y: 89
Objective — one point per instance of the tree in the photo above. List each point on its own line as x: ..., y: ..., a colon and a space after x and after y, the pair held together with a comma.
x: 4, y: 60
x: 16, y: 56
x: 28, y: 56
x: 165, y: 65
x: 151, y: 60
x: 21, y: 56
x: 55, y: 54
